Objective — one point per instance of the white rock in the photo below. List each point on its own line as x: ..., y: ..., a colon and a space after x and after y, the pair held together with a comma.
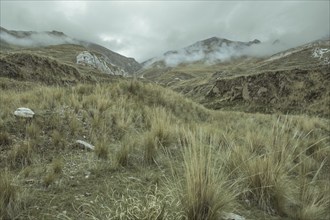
x: 232, y: 216
x: 85, y: 144
x: 89, y: 59
x: 24, y: 112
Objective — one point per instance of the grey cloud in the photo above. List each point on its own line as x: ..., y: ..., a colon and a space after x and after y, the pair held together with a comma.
x: 148, y: 29
x: 37, y: 39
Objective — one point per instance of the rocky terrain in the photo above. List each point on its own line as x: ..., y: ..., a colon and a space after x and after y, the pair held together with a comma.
x: 296, y: 91
x: 79, y: 140
x: 255, y: 84
x: 104, y: 59
x: 209, y: 51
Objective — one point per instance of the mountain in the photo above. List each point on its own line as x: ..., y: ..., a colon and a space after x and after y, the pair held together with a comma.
x: 101, y: 146
x: 99, y: 57
x: 291, y: 81
x: 211, y: 50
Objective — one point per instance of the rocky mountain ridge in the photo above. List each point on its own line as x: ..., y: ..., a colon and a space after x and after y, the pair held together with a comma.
x: 31, y: 39
x: 210, y: 51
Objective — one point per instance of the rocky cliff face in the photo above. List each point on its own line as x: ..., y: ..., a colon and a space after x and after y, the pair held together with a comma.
x: 88, y: 59
x: 287, y: 91
x: 129, y: 65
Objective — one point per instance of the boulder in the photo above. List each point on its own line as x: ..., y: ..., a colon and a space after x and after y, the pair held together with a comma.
x: 232, y: 216
x: 24, y: 113
x: 85, y: 145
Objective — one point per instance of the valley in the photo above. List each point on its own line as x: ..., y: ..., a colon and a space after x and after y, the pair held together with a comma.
x: 246, y: 137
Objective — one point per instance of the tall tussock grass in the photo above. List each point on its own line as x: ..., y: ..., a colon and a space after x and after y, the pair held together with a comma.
x: 158, y: 155
x: 203, y: 189
x: 11, y: 197
x: 273, y: 179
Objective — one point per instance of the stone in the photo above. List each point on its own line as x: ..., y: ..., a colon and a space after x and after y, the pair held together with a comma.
x: 245, y: 92
x: 215, y: 90
x: 85, y: 145
x: 232, y: 216
x: 262, y: 90
x: 24, y: 113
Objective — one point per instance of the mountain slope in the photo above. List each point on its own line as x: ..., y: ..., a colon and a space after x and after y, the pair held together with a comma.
x: 29, y: 39
x: 298, y: 91
x: 211, y: 50
x: 307, y: 64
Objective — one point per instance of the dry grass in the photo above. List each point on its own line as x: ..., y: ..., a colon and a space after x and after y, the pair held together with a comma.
x: 4, y: 139
x: 102, y: 150
x: 270, y: 170
x: 122, y: 156
x: 204, y: 191
x: 219, y: 160
x: 11, y: 201
x: 21, y: 155
x: 57, y: 166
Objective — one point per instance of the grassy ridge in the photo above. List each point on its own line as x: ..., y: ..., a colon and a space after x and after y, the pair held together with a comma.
x: 157, y: 155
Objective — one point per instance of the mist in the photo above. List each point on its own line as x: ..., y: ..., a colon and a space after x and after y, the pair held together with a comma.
x: 217, y: 53
x: 37, y: 39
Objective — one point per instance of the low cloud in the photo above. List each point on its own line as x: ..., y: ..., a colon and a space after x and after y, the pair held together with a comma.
x: 219, y: 52
x: 36, y: 39
x: 145, y: 29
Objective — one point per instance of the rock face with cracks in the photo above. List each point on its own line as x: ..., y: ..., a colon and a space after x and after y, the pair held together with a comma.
x: 89, y: 59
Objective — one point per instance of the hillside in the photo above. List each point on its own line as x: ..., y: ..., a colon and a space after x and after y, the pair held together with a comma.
x: 11, y: 40
x: 157, y: 155
x: 209, y: 51
x: 197, y: 79
x: 97, y: 145
x: 297, y: 91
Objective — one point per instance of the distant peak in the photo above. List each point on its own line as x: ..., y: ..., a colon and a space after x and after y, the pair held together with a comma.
x: 277, y: 41
x: 256, y: 41
x: 2, y: 29
x: 213, y: 38
x: 57, y: 33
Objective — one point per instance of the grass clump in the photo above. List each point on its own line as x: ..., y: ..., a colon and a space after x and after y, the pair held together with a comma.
x: 5, y: 139
x: 314, y: 201
x: 57, y: 166
x: 48, y: 179
x: 11, y: 203
x: 204, y: 192
x: 149, y: 148
x: 102, y: 150
x: 54, y: 172
x: 269, y: 169
x: 122, y: 156
x: 58, y: 139
x: 33, y: 131
x: 21, y: 155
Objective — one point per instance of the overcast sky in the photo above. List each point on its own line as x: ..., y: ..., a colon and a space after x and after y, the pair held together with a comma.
x: 144, y: 29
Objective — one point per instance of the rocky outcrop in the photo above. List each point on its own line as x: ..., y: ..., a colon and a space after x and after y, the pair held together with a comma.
x: 89, y: 59
x: 129, y: 65
x: 286, y: 91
